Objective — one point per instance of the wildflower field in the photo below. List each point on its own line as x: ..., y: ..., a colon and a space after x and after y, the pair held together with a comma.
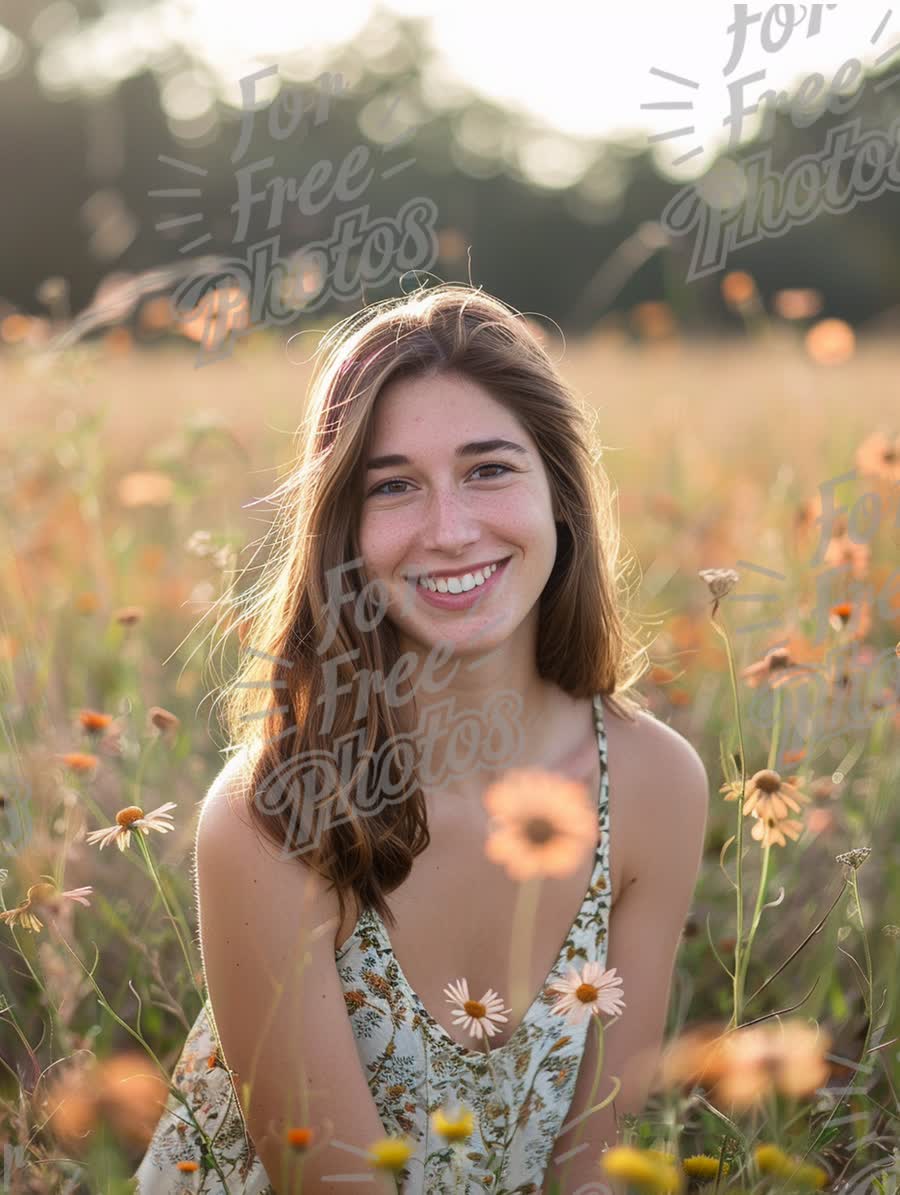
x: 758, y: 494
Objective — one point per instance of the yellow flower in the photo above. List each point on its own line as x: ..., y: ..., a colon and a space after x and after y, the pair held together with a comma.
x: 703, y: 1167
x: 391, y: 1153
x: 807, y: 1175
x: 453, y: 1128
x: 770, y: 1159
x: 647, y: 1169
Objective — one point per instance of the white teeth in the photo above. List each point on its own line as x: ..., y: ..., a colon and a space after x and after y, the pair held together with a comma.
x: 458, y: 584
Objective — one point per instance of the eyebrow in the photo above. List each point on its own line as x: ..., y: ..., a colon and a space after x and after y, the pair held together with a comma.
x: 473, y: 448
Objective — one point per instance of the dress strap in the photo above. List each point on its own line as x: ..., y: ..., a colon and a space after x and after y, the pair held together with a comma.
x: 600, y: 728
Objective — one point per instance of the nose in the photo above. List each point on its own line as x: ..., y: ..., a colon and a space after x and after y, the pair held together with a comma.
x: 449, y: 525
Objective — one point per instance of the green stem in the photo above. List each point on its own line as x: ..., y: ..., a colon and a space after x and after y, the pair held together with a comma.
x: 54, y: 1011
x: 869, y: 974
x: 721, y: 1161
x: 175, y: 922
x: 776, y: 729
x: 173, y: 1088
x: 869, y: 1005
x: 598, y: 1070
x: 767, y: 851
x: 497, y: 1088
x: 737, y: 987
x: 757, y: 913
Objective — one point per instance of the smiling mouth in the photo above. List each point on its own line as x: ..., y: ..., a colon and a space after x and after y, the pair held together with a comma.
x: 461, y: 583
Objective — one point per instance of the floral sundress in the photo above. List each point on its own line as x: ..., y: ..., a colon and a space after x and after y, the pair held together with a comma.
x: 520, y: 1093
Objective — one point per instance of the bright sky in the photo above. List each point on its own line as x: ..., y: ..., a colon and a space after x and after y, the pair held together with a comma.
x: 582, y: 66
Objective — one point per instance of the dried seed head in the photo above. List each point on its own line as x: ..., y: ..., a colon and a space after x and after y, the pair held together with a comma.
x: 720, y: 580
x: 854, y: 858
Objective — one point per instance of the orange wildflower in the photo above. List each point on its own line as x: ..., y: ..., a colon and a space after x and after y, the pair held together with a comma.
x: 789, y: 1056
x: 93, y: 720
x: 766, y: 793
x: 79, y: 761
x: 879, y: 456
x: 854, y: 617
x: 150, y: 488
x: 127, y: 616
x: 660, y: 675
x: 42, y: 895
x: 217, y: 313
x: 742, y: 1066
x: 799, y: 303
x: 844, y: 552
x: 771, y: 831
x: 299, y: 1138
x: 544, y: 825
x: 738, y: 288
x: 830, y: 342
x: 776, y: 667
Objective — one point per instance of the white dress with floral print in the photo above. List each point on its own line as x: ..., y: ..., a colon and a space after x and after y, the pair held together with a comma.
x: 520, y: 1094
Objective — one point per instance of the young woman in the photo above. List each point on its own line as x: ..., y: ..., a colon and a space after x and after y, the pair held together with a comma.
x: 441, y: 609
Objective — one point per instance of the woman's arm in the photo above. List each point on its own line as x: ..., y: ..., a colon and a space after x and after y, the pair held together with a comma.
x: 663, y: 818
x: 267, y: 930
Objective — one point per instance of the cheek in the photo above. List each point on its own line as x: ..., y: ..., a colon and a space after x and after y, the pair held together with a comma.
x: 383, y: 539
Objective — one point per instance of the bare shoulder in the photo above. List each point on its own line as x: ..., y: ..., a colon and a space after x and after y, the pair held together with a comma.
x: 231, y: 853
x: 660, y: 786
x: 267, y: 925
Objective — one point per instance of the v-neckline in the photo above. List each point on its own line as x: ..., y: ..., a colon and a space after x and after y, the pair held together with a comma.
x: 375, y: 921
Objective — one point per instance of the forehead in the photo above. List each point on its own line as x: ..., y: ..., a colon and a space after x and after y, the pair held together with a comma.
x: 422, y: 410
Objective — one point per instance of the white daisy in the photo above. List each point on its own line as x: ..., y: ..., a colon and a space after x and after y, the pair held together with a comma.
x: 592, y: 991
x: 133, y: 818
x: 476, y: 1016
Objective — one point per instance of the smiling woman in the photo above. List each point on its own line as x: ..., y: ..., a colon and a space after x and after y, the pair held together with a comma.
x: 446, y: 460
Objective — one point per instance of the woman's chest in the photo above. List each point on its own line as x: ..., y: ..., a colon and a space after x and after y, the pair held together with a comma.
x: 459, y: 915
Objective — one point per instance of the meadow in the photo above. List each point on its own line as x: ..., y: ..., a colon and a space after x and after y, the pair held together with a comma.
x: 130, y: 482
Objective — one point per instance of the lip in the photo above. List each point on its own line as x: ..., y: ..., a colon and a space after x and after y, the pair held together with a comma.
x: 458, y: 572
x: 460, y: 601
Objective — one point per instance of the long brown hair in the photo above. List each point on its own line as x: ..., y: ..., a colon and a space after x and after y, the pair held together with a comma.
x: 272, y: 705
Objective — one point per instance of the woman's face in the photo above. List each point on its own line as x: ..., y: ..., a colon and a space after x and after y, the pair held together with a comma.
x: 455, y: 503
